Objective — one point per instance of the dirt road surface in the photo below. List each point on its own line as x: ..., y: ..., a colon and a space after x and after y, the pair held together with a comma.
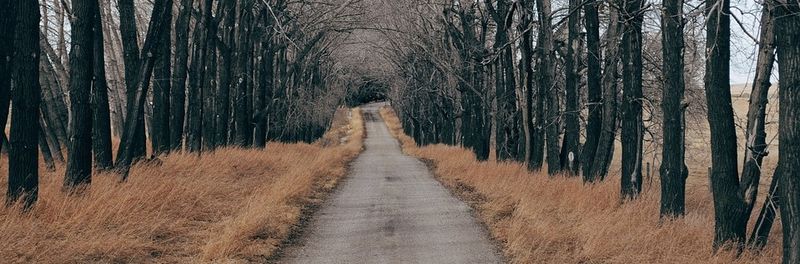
x: 390, y: 209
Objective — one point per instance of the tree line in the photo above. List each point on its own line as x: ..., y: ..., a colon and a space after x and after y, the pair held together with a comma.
x: 174, y: 76
x: 555, y: 88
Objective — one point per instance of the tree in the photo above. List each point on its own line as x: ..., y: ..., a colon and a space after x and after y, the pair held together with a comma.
x: 197, y: 75
x: 546, y: 88
x: 755, y: 144
x: 673, y: 170
x: 787, y: 21
x: 570, y: 156
x: 126, y: 152
x: 632, y: 98
x: 162, y: 72
x: 131, y: 59
x: 101, y: 138
x: 594, y: 89
x: 8, y: 21
x: 79, y: 162
x: 731, y: 212
x: 178, y: 89
x: 23, y: 156
x: 506, y: 116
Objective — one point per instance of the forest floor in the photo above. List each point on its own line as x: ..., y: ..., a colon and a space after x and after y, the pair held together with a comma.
x: 541, y: 219
x: 229, y: 205
x: 390, y: 209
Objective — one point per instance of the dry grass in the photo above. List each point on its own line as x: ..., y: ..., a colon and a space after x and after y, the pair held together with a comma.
x: 231, y: 205
x: 539, y: 219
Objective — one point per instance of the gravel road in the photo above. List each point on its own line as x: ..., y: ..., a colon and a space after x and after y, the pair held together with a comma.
x: 390, y: 209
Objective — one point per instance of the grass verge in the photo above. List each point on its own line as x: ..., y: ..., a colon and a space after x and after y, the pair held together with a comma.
x: 541, y: 219
x: 229, y: 205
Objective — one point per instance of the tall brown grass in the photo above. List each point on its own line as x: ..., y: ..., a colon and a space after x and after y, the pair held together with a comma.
x: 230, y: 205
x: 541, y: 219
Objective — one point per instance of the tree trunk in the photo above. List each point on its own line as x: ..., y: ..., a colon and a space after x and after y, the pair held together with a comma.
x: 44, y: 148
x: 130, y: 47
x: 534, y: 138
x: 161, y: 91
x: 241, y: 111
x: 729, y: 214
x: 194, y: 118
x: 210, y: 91
x: 755, y: 135
x: 594, y: 88
x: 23, y: 157
x: 178, y: 89
x: 126, y: 152
x: 546, y: 87
x: 763, y: 225
x: 265, y: 89
x: 570, y: 157
x: 101, y: 137
x: 8, y: 21
x: 632, y: 124
x: 79, y: 160
x: 673, y: 172
x: 786, y: 24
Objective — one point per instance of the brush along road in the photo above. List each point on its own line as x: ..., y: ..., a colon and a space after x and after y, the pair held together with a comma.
x: 390, y: 209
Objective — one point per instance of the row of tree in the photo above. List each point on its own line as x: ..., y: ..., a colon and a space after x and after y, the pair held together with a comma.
x: 188, y: 75
x: 515, y: 77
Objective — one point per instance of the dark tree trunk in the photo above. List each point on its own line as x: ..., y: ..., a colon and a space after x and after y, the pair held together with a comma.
x: 23, y: 157
x: 210, y: 91
x: 8, y: 21
x: 126, y: 152
x: 534, y: 137
x: 44, y: 147
x: 222, y: 99
x: 765, y: 219
x: 546, y: 87
x: 178, y: 90
x: 570, y: 156
x: 265, y: 88
x: 101, y: 125
x: 787, y: 14
x: 673, y: 169
x: 755, y: 135
x: 79, y: 159
x: 594, y: 89
x: 197, y: 74
x: 162, y: 72
x: 729, y: 207
x: 632, y: 126
x: 241, y: 113
x: 130, y: 47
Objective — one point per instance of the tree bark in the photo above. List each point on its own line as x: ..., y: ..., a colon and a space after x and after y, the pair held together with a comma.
x: 787, y: 14
x: 23, y: 157
x: 730, y: 216
x: 546, y: 87
x: 126, y: 151
x: 131, y: 58
x: 101, y: 133
x: 570, y: 157
x: 161, y: 90
x: 178, y: 90
x: 632, y: 124
x: 79, y: 160
x: 194, y: 118
x: 8, y: 21
x: 241, y: 113
x: 755, y: 135
x: 673, y: 168
x: 594, y: 88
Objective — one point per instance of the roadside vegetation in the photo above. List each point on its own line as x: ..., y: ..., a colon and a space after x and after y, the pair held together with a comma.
x: 557, y: 219
x: 229, y: 205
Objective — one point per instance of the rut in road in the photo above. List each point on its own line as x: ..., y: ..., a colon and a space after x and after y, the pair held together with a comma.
x: 390, y: 209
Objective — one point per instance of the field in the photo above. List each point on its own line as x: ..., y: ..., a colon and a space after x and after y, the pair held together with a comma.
x: 541, y: 219
x: 229, y: 205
